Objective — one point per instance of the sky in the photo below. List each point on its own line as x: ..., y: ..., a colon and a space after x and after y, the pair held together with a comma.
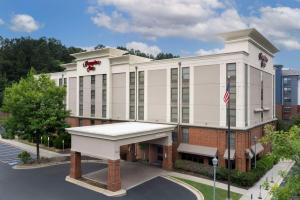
x: 181, y: 27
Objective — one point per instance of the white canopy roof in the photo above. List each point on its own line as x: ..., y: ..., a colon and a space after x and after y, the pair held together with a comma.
x: 116, y: 131
x: 104, y: 141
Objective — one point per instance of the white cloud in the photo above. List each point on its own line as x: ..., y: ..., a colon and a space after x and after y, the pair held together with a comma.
x: 202, y: 52
x: 196, y: 19
x: 24, y: 23
x: 153, y: 50
x: 183, y: 18
x: 280, y: 24
x: 1, y: 22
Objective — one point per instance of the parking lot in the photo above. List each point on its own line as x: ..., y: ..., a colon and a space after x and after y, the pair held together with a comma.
x: 9, y: 154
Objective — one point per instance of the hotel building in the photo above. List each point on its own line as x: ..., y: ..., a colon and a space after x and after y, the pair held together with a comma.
x: 287, y: 92
x: 108, y: 85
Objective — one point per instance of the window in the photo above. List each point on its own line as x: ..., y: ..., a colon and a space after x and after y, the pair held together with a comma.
x: 65, y: 82
x: 104, y: 95
x: 185, y: 74
x: 60, y: 82
x: 185, y: 94
x: 185, y: 115
x: 287, y: 80
x: 92, y: 122
x: 80, y: 122
x: 232, y: 139
x: 231, y: 72
x: 192, y: 157
x: 93, y: 83
x: 174, y: 114
x: 174, y: 94
x: 141, y: 96
x: 185, y: 135
x: 80, y: 95
x: 132, y: 95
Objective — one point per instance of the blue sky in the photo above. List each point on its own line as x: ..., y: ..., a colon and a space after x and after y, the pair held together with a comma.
x: 183, y: 27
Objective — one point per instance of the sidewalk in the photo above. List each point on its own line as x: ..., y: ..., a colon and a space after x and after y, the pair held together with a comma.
x: 274, y: 172
x: 207, y: 182
x: 32, y: 149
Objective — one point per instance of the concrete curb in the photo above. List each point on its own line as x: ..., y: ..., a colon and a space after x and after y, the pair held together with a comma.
x: 43, y: 165
x: 108, y: 193
x: 196, y: 192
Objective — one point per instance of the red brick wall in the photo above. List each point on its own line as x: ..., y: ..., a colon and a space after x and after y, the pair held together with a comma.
x: 73, y: 121
x: 211, y: 138
x: 279, y: 111
x: 167, y: 161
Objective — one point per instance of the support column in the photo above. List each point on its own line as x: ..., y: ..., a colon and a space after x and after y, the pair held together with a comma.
x: 75, y: 165
x: 167, y: 160
x: 114, y: 175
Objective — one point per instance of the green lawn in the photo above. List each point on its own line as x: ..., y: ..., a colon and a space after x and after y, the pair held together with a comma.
x: 207, y: 191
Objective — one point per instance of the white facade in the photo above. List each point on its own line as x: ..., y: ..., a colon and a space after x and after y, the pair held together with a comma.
x: 206, y: 85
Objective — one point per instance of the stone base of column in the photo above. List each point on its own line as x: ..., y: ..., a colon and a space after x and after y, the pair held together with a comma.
x: 114, y: 175
x: 167, y: 160
x: 75, y: 165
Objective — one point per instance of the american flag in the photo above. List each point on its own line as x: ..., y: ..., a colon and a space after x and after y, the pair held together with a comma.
x: 227, y: 94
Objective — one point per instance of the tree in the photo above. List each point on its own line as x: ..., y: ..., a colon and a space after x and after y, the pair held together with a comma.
x: 18, y: 55
x: 159, y: 56
x: 286, y: 145
x: 36, y: 106
x: 99, y: 46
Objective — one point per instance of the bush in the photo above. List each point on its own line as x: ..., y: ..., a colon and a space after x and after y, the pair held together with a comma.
x: 244, y: 179
x: 44, y: 140
x: 24, y: 156
x: 57, y: 141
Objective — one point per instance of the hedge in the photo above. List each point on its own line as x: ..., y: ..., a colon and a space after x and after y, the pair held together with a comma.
x: 244, y: 179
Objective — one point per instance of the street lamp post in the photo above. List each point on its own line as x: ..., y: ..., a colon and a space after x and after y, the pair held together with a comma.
x: 255, y: 141
x: 215, y: 163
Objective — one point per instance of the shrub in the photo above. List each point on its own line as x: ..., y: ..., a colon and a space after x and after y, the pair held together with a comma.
x: 24, y: 156
x: 57, y: 141
x: 45, y: 140
x: 244, y: 179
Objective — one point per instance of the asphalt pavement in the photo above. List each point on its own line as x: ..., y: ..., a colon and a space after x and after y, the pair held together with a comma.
x: 49, y: 184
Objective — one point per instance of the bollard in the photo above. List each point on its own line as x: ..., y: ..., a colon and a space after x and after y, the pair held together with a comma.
x: 259, y: 196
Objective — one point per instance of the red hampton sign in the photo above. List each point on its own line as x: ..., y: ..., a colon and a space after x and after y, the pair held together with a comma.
x: 90, y: 65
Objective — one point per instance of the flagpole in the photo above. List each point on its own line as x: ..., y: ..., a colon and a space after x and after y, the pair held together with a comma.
x: 228, y: 141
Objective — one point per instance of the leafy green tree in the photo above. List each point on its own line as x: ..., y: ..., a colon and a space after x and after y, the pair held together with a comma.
x: 18, y: 55
x: 159, y: 56
x: 286, y: 145
x: 36, y: 107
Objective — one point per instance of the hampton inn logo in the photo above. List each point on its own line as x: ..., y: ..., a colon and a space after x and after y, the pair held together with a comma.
x: 263, y: 60
x: 90, y: 65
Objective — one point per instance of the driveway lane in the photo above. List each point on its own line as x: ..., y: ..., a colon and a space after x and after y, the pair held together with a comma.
x: 49, y: 184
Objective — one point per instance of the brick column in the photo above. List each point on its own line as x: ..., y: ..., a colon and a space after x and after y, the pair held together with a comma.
x: 167, y: 158
x: 114, y: 175
x: 75, y: 165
